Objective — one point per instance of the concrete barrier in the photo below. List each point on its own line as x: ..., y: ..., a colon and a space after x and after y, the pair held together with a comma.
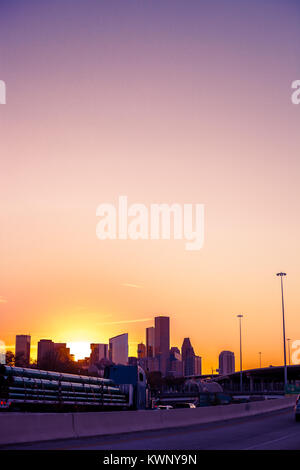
x: 92, y: 424
x: 32, y: 427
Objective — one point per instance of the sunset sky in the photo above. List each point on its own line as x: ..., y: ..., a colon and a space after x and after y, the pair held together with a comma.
x: 163, y: 101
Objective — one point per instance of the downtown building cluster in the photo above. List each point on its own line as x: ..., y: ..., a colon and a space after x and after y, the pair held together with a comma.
x: 155, y: 355
x: 49, y: 352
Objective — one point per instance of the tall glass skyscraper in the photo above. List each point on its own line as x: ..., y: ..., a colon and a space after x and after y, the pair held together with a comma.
x: 226, y: 363
x: 162, y: 342
x: 118, y: 349
x: 22, y: 350
x: 192, y: 364
x: 150, y: 341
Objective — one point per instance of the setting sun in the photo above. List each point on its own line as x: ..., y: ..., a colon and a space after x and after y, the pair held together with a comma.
x: 80, y: 349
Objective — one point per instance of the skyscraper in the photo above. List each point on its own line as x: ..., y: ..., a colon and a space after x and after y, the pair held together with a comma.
x: 197, y: 365
x: 187, y: 349
x: 191, y: 362
x: 141, y: 351
x: 62, y: 353
x: 150, y: 341
x: 2, y: 352
x: 45, y: 348
x: 152, y: 364
x: 22, y: 350
x: 98, y: 351
x: 226, y: 363
x: 175, y: 364
x: 118, y: 349
x: 162, y: 342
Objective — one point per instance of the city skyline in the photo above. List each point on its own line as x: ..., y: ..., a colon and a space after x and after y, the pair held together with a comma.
x: 191, y: 363
x: 157, y: 356
x: 82, y: 350
x: 162, y: 104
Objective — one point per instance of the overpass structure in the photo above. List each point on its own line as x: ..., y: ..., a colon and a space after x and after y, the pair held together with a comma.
x: 261, y: 380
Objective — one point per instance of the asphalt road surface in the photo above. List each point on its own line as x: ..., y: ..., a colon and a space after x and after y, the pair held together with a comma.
x: 277, y: 430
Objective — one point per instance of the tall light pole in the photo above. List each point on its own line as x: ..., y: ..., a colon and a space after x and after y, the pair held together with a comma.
x: 259, y: 359
x: 241, y: 360
x: 288, y: 340
x: 283, y: 328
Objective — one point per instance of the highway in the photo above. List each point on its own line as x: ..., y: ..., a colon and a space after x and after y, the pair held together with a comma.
x: 277, y: 430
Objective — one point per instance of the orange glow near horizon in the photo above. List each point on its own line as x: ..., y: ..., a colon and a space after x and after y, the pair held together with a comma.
x: 167, y: 105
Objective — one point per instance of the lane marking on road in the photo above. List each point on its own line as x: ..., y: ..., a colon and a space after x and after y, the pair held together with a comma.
x: 272, y: 441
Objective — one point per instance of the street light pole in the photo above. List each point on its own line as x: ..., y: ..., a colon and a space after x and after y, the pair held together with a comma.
x: 241, y: 360
x: 259, y: 359
x: 288, y: 340
x: 283, y: 328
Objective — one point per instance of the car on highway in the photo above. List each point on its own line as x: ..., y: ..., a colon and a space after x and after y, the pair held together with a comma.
x: 184, y: 405
x: 297, y: 409
x: 163, y: 407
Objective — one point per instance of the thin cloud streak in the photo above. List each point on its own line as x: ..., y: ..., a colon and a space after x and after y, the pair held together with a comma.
x: 135, y: 286
x: 126, y: 321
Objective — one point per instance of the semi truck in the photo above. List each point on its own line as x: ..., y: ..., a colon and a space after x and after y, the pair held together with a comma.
x: 25, y: 389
